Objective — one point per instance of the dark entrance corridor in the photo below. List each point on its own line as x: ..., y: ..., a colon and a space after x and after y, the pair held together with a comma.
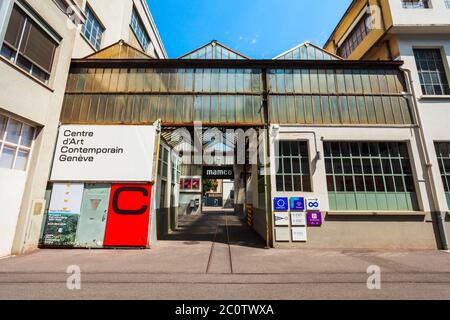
x: 217, y: 225
x: 223, y: 229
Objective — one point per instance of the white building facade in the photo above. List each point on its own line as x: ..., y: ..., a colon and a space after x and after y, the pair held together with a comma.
x: 38, y: 40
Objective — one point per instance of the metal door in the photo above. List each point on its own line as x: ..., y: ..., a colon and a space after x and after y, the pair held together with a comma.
x: 94, y: 209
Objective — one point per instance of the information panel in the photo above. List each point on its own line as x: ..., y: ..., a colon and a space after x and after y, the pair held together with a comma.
x: 104, y: 153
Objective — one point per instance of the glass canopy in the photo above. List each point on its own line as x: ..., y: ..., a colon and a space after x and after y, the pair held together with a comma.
x: 307, y: 51
x: 214, y: 51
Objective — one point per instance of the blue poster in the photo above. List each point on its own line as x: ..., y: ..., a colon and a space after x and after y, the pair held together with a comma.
x: 281, y: 204
x: 297, y: 204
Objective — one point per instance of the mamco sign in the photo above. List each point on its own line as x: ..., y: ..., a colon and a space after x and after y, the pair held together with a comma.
x: 226, y: 173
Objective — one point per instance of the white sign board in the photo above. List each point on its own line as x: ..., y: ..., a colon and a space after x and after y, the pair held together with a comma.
x: 312, y: 204
x: 66, y: 198
x: 298, y: 219
x: 282, y: 234
x: 299, y: 234
x: 104, y: 153
x: 281, y: 218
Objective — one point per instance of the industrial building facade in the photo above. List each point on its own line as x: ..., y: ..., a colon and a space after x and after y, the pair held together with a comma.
x: 343, y: 161
x: 111, y: 148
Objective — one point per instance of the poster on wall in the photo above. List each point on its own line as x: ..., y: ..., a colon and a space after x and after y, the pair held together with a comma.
x: 104, y: 153
x: 128, y: 215
x: 281, y: 218
x: 298, y: 219
x: 63, y: 215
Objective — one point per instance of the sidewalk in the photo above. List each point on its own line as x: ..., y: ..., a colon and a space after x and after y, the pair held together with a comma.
x: 175, y: 270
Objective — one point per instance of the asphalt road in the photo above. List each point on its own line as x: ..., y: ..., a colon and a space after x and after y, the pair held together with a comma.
x: 215, y: 259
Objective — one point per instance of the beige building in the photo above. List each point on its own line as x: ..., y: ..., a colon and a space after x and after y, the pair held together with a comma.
x: 416, y: 32
x: 38, y: 40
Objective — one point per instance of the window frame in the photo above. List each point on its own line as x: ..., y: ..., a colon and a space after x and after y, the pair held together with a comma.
x: 409, y: 4
x: 17, y: 146
x: 361, y: 20
x: 446, y: 69
x: 445, y: 175
x: 41, y: 25
x: 280, y: 158
x: 97, y: 20
x: 135, y: 16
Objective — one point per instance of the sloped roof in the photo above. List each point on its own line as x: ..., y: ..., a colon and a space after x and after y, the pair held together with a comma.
x: 307, y: 51
x: 214, y: 51
x: 119, y: 50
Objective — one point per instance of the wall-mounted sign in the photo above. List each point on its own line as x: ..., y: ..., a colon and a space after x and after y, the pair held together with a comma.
x: 225, y: 173
x: 63, y: 215
x: 282, y: 234
x: 299, y: 234
x: 314, y: 219
x: 298, y: 219
x: 312, y: 204
x: 104, y: 153
x: 281, y: 218
x: 281, y: 204
x: 297, y: 204
x: 190, y: 184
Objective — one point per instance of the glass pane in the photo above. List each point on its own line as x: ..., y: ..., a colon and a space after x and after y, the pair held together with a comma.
x: 7, y: 157
x: 27, y: 136
x: 13, y: 131
x: 22, y: 160
x: 2, y: 126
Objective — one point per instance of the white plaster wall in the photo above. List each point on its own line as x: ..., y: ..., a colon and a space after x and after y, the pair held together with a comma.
x: 227, y: 187
x: 37, y: 104
x: 12, y: 183
x: 115, y: 15
x: 437, y: 15
x: 434, y: 111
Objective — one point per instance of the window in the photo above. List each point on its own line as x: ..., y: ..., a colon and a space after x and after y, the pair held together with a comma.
x: 443, y: 155
x: 369, y: 176
x: 293, y: 167
x: 93, y: 29
x: 416, y: 4
x: 139, y: 30
x: 28, y: 46
x: 356, y: 36
x: 432, y: 75
x: 16, y: 139
x: 368, y: 167
x: 447, y: 3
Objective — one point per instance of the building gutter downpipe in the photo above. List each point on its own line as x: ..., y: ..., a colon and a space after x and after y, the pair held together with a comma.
x: 440, y: 215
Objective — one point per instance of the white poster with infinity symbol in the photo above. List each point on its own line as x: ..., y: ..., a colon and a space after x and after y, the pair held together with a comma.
x: 312, y: 204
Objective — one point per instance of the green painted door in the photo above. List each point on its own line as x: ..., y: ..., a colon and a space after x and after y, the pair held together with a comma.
x: 94, y: 210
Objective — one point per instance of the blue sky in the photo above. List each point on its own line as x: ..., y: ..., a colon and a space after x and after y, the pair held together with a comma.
x: 257, y: 28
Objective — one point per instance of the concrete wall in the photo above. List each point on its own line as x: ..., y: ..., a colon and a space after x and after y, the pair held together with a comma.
x: 115, y: 15
x: 439, y: 14
x: 406, y: 230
